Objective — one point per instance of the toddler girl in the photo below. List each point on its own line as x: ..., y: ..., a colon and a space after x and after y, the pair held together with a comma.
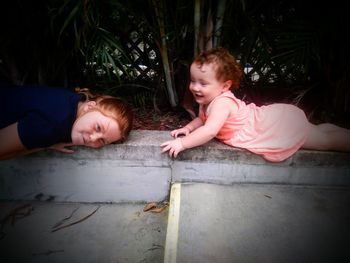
x: 274, y: 131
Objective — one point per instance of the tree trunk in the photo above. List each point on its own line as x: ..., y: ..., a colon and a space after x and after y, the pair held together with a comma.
x: 219, y: 22
x: 159, y: 9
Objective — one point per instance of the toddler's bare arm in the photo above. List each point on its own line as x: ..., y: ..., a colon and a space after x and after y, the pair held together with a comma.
x: 190, y: 127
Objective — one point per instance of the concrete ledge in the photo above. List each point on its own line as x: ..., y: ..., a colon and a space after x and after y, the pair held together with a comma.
x: 137, y: 171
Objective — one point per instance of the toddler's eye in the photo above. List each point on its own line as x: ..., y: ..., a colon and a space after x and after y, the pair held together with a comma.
x: 98, y: 128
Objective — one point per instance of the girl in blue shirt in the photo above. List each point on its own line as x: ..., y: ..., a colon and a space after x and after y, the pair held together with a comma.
x: 34, y: 118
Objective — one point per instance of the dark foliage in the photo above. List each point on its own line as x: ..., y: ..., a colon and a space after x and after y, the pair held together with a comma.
x: 299, y: 49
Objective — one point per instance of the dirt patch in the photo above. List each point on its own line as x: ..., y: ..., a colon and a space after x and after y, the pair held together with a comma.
x: 164, y: 120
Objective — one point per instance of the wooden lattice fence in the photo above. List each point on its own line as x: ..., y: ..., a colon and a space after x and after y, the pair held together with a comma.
x: 141, y: 48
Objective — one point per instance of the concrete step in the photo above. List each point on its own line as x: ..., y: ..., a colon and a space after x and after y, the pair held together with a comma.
x: 137, y: 171
x: 112, y: 233
x: 257, y: 223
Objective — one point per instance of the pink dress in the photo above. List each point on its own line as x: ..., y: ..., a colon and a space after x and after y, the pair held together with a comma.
x: 274, y: 131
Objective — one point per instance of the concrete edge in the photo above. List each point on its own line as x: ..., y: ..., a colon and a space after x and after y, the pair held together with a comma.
x: 145, y: 145
x: 137, y: 171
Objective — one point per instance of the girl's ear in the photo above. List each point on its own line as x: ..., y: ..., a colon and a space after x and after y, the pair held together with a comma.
x: 227, y: 85
x: 89, y: 105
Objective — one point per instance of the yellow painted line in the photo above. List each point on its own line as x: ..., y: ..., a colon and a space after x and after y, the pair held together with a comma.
x: 173, y: 224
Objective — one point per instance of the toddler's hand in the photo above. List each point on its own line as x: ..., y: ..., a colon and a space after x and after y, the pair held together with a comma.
x: 61, y: 147
x: 174, y: 147
x: 182, y: 131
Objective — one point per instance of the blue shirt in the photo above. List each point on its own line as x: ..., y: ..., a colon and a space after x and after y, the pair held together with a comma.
x: 45, y: 115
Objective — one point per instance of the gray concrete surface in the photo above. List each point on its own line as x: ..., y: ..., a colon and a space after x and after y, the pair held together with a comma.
x: 114, y: 233
x: 241, y: 209
x: 262, y: 223
x: 137, y: 171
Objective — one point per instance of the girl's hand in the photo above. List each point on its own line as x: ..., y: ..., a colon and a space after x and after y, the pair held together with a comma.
x: 174, y: 147
x: 182, y: 131
x: 61, y: 147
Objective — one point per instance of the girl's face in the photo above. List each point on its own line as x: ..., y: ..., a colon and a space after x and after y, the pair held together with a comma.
x: 204, y: 85
x: 93, y: 129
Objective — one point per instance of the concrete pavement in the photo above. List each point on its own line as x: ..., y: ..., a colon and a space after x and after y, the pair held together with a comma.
x: 258, y: 223
x: 113, y: 233
x: 204, y: 223
x: 230, y: 206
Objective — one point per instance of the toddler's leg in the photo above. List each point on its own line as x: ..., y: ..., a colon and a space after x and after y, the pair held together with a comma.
x: 327, y: 136
x: 329, y: 127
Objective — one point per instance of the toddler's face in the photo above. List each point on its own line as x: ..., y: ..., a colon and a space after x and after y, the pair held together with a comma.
x: 93, y: 129
x: 204, y: 85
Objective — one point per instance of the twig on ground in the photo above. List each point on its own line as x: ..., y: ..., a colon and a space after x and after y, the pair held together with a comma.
x: 47, y: 253
x: 65, y: 219
x: 75, y: 222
